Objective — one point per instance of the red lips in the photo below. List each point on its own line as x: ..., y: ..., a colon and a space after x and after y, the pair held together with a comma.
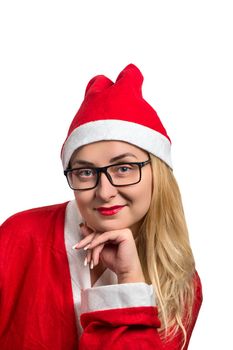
x: 110, y: 210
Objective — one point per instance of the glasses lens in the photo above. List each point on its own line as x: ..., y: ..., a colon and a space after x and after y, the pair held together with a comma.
x: 82, y: 178
x: 124, y: 174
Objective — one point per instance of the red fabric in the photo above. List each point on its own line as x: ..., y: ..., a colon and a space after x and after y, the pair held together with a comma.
x: 130, y: 328
x: 36, y: 302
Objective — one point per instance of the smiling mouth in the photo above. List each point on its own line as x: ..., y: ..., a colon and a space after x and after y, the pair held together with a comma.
x: 110, y: 210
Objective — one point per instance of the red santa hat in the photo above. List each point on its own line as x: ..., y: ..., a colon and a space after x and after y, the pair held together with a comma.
x: 117, y: 111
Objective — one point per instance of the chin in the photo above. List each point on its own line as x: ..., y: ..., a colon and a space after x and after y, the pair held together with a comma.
x: 109, y: 225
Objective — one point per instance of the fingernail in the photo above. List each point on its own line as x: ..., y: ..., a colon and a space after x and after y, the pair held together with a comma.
x: 75, y: 246
x: 86, y: 247
x: 92, y: 264
x: 85, y: 261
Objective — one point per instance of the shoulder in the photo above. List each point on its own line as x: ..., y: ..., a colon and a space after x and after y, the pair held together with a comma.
x: 34, y: 217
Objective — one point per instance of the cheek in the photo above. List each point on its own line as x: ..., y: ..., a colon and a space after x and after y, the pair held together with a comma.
x: 83, y: 201
x: 141, y: 196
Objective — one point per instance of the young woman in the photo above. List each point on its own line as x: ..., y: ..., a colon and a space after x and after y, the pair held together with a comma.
x: 112, y: 269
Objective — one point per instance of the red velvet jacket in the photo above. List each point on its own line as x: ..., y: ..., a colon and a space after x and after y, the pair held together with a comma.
x: 36, y: 301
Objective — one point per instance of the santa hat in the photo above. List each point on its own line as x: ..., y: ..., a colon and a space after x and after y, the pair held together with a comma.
x: 117, y: 111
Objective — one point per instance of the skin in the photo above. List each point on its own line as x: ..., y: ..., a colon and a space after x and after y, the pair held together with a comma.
x: 109, y: 240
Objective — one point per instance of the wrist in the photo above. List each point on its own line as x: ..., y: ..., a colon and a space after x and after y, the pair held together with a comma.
x: 131, y: 278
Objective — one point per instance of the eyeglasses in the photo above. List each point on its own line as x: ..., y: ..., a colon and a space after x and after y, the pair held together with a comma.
x: 121, y: 174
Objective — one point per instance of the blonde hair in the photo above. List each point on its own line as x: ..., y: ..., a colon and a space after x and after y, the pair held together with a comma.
x: 165, y: 253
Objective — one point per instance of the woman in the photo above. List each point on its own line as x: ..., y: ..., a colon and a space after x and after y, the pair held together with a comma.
x: 130, y: 279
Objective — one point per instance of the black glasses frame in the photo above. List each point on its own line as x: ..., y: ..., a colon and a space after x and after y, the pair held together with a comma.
x: 104, y: 170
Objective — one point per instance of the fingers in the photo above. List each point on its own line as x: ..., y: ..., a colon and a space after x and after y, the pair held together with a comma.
x: 92, y: 255
x: 96, y: 255
x: 88, y: 258
x: 113, y: 237
x: 88, y: 237
x: 121, y: 243
x: 84, y: 243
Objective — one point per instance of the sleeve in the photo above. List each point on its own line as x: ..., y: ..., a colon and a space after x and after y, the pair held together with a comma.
x: 124, y: 317
x: 120, y: 317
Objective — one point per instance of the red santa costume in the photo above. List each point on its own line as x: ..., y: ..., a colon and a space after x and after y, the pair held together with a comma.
x: 46, y: 298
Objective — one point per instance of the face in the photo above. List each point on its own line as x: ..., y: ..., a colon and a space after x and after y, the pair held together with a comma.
x: 107, y: 207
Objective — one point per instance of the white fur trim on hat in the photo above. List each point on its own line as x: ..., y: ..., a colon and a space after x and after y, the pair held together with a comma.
x: 136, y: 134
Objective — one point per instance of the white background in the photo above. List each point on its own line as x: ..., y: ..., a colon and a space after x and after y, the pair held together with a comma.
x: 50, y: 50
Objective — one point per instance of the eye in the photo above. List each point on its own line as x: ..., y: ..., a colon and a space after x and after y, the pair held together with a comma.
x: 84, y: 173
x: 123, y: 169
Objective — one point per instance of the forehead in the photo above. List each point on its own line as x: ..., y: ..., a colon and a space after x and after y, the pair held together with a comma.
x: 105, y: 150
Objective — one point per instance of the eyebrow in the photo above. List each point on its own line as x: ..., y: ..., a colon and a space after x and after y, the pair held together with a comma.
x: 114, y: 159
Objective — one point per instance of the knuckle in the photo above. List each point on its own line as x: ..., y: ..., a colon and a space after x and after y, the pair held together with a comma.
x: 128, y: 232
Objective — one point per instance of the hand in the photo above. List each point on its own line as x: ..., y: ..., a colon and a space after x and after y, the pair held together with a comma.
x: 117, y: 251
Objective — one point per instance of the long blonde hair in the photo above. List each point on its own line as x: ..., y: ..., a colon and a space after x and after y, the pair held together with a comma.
x: 165, y: 253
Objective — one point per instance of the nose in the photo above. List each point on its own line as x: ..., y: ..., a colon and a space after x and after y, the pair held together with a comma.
x: 105, y: 190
